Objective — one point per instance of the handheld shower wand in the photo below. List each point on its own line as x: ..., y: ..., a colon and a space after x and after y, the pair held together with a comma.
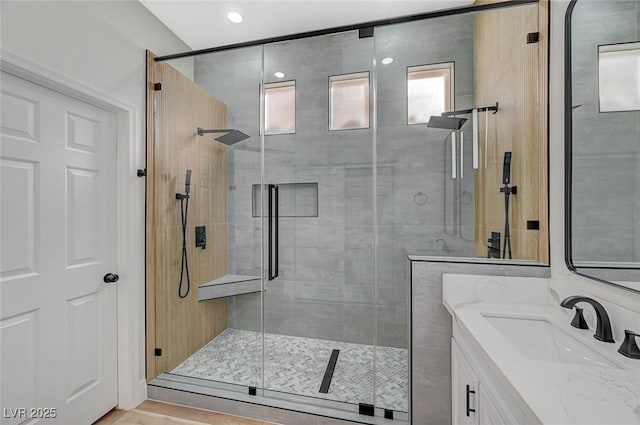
x: 187, y: 183
x: 187, y: 187
x: 184, y: 209
x: 507, y: 190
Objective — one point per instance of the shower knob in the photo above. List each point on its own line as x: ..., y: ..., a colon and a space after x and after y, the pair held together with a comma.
x: 110, y: 278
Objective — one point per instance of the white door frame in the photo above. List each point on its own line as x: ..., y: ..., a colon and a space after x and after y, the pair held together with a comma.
x: 130, y: 234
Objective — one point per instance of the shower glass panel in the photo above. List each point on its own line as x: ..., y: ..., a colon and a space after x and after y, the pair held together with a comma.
x: 425, y: 180
x: 233, y: 359
x: 440, y: 192
x: 418, y: 210
x: 435, y: 194
x: 425, y: 176
x: 318, y: 299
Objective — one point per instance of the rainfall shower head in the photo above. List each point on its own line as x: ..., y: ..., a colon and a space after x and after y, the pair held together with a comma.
x: 231, y: 137
x: 446, y: 123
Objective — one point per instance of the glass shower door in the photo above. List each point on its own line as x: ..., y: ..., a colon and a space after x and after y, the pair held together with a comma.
x: 319, y: 230
x: 233, y: 359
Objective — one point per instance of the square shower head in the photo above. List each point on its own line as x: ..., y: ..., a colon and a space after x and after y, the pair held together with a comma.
x: 446, y: 123
x: 232, y: 137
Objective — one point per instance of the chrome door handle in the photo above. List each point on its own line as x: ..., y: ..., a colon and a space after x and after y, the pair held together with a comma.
x: 110, y: 278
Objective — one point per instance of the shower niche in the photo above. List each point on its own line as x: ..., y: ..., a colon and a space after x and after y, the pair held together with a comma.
x: 295, y: 200
x: 317, y: 174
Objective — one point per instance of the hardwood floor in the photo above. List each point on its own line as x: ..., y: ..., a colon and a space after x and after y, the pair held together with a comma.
x: 111, y: 417
x: 156, y: 413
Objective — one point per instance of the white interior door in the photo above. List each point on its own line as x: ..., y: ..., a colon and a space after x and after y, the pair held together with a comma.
x: 57, y: 317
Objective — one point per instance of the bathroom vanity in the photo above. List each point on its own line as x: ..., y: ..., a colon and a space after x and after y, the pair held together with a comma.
x: 517, y: 360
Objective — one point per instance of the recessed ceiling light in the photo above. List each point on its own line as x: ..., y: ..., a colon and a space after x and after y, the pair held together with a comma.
x: 279, y: 74
x: 387, y: 60
x: 235, y: 17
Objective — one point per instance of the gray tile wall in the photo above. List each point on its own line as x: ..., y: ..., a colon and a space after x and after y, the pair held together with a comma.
x: 431, y: 334
x: 326, y: 284
x: 606, y: 185
x: 325, y: 288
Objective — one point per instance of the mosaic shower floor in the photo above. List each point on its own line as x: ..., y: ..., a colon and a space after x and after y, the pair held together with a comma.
x: 297, y: 365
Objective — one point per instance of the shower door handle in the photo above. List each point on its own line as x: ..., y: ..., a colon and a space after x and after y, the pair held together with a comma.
x: 273, y: 231
x: 277, y: 232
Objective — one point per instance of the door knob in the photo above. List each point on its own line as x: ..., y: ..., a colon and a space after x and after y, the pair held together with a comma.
x: 110, y: 278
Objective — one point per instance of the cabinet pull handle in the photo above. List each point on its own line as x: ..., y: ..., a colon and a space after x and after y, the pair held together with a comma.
x: 469, y: 409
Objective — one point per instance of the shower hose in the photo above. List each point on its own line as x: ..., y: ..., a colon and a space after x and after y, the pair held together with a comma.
x: 184, y: 268
x: 507, y: 230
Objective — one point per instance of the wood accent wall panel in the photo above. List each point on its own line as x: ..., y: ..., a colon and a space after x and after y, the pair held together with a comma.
x: 513, y: 73
x: 182, y: 326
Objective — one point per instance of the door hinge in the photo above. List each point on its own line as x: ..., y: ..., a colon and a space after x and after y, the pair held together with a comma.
x: 157, y: 86
x: 366, y: 409
x: 141, y: 172
x: 157, y: 352
x: 365, y: 32
x: 533, y: 37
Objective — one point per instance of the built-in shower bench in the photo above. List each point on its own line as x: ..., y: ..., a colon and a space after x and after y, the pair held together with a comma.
x: 229, y: 285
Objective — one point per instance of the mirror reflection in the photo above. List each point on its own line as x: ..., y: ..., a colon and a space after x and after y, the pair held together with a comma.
x: 605, y: 187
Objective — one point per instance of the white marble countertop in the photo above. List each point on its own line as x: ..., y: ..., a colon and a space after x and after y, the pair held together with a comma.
x: 460, y: 289
x: 557, y: 393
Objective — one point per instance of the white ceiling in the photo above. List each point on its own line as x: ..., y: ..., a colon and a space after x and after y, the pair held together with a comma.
x: 202, y: 24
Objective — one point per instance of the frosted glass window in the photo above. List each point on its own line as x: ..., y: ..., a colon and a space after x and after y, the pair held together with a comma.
x: 280, y: 107
x: 349, y: 101
x: 619, y: 77
x: 429, y: 91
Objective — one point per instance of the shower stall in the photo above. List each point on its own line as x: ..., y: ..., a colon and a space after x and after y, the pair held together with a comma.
x: 328, y: 178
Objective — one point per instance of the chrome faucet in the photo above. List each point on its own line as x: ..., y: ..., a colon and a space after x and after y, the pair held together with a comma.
x: 603, y: 325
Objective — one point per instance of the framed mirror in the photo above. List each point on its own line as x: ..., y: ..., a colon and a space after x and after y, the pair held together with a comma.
x: 602, y: 141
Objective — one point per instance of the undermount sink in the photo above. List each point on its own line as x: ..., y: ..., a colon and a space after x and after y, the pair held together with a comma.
x: 539, y: 339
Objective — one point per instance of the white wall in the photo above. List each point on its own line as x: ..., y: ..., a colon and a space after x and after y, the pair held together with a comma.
x: 623, y: 306
x: 101, y: 44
